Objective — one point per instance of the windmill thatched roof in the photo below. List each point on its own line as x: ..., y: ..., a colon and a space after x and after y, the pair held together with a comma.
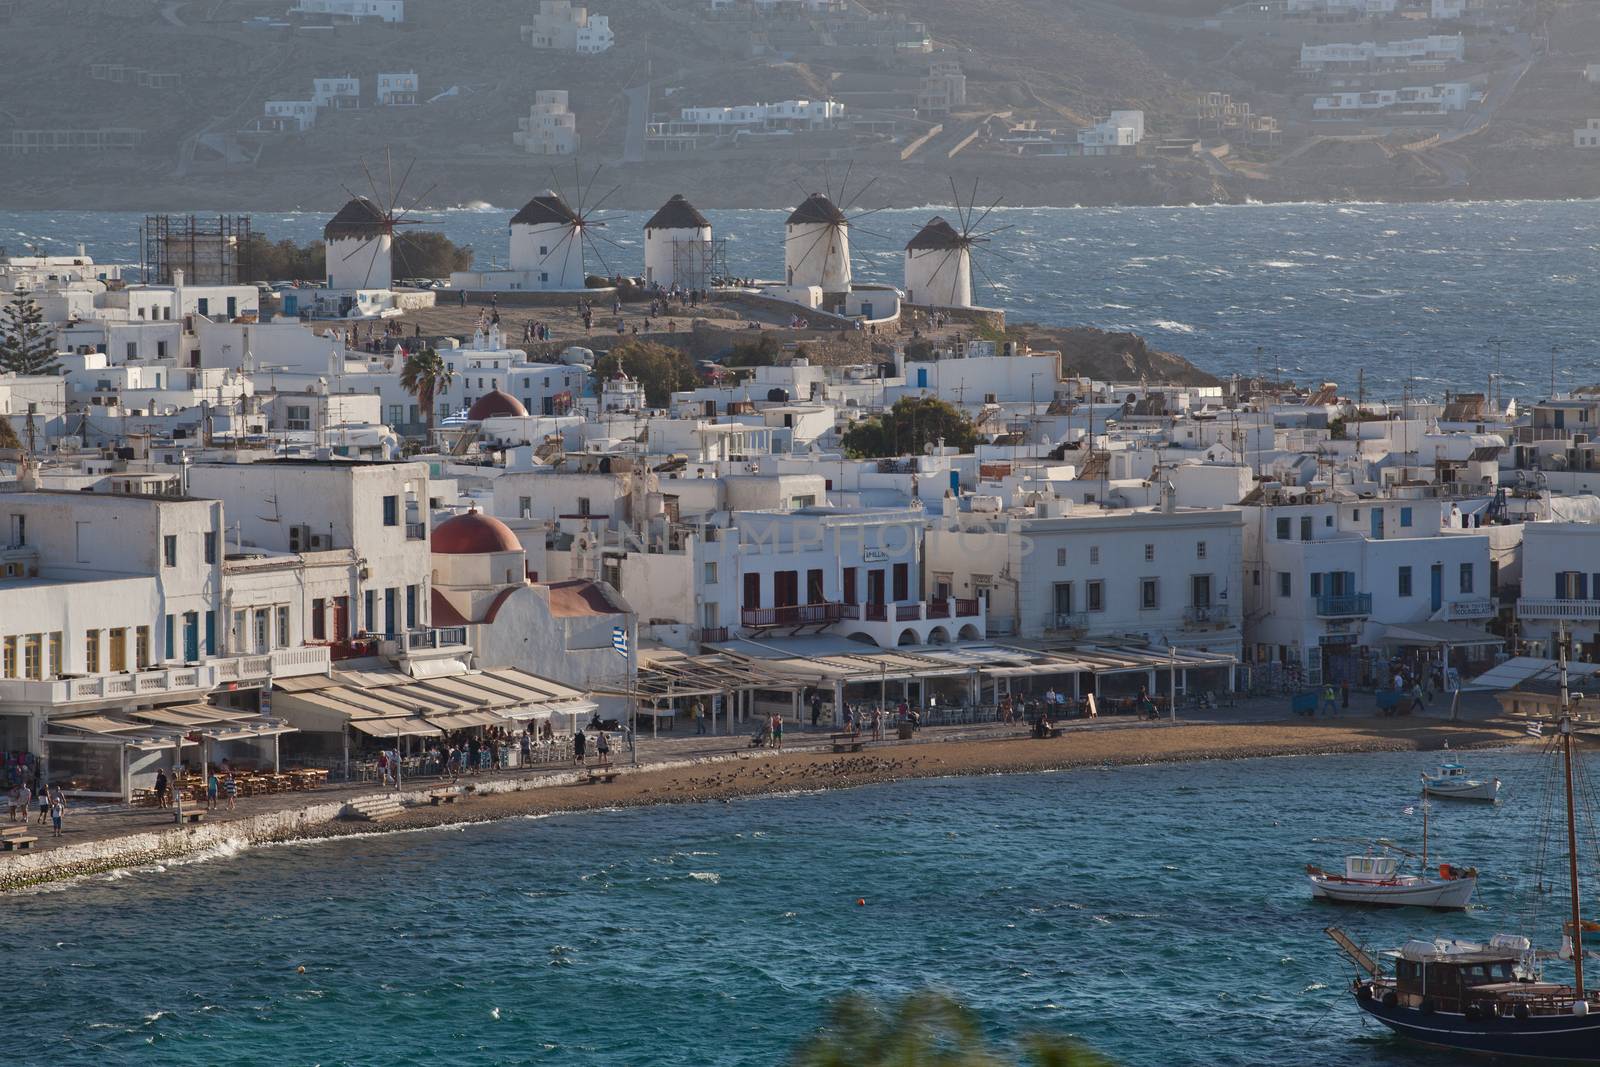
x: 360, y: 218
x: 677, y: 214
x: 936, y: 235
x: 544, y: 210
x: 816, y: 209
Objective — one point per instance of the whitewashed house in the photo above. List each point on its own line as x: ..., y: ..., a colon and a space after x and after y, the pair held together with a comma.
x: 397, y: 90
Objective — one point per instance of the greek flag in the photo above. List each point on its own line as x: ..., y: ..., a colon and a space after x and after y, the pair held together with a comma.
x: 619, y: 640
x: 1536, y: 729
x: 1408, y: 811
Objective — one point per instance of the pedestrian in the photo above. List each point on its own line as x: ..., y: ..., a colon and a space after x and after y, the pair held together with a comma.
x: 1329, y: 704
x: 58, y: 804
x: 161, y: 788
x: 42, y: 793
x: 816, y: 708
x: 463, y: 298
x: 849, y: 719
x: 1417, y: 703
x: 699, y: 717
x: 877, y: 724
x: 777, y: 731
x: 577, y: 747
x: 230, y: 787
x: 602, y: 747
x: 213, y: 786
x: 20, y: 807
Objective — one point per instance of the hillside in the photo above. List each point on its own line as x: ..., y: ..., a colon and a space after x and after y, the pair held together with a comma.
x: 189, y: 78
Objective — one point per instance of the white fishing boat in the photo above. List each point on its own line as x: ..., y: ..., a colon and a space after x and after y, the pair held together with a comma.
x: 1377, y: 879
x: 1452, y: 781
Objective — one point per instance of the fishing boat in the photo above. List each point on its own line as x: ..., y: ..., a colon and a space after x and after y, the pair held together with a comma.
x: 1376, y: 878
x: 1492, y: 997
x: 1453, y: 782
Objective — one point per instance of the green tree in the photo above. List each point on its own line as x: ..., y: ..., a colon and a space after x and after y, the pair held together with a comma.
x: 26, y: 344
x: 908, y: 427
x: 8, y: 434
x: 924, y: 1030
x: 422, y: 254
x: 426, y: 375
x: 762, y: 352
x: 658, y: 369
x: 427, y: 254
x: 285, y: 260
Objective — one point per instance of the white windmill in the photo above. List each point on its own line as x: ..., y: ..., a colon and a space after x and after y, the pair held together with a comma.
x: 360, y: 238
x: 939, y: 259
x: 548, y: 237
x: 816, y: 246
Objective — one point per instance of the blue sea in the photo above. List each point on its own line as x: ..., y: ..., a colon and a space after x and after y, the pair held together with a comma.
x: 1159, y: 913
x: 1442, y: 295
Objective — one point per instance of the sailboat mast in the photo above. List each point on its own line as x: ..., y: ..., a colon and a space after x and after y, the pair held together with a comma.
x: 1572, y: 834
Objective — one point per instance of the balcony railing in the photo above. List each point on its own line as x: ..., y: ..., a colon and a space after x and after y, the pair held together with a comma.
x: 440, y: 637
x: 908, y: 613
x: 1473, y: 609
x: 1556, y: 608
x: 416, y: 531
x: 875, y: 612
x: 793, y: 615
x: 1066, y: 620
x: 711, y: 635
x: 968, y: 607
x: 1203, y: 615
x: 1338, y: 607
x: 165, y: 681
x: 938, y: 609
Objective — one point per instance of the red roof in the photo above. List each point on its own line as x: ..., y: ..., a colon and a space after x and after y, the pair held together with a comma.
x: 445, y: 613
x: 495, y: 404
x: 580, y: 597
x: 474, y: 534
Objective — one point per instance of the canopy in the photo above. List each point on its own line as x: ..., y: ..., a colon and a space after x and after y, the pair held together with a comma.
x: 1454, y: 634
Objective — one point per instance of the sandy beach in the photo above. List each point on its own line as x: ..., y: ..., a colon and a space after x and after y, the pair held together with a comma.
x: 764, y: 771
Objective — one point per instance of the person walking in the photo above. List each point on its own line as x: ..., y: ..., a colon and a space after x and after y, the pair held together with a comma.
x: 161, y: 788
x: 699, y: 717
x: 213, y: 787
x: 41, y: 793
x: 877, y: 724
x: 577, y: 747
x: 58, y: 804
x: 1329, y: 703
x: 230, y: 787
x: 777, y: 731
x: 816, y: 709
x: 1417, y: 703
x: 24, y: 798
x: 602, y: 747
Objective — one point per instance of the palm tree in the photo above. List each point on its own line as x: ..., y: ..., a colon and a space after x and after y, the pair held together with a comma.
x: 426, y: 375
x: 923, y: 1030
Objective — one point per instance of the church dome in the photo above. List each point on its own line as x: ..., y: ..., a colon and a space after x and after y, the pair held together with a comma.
x: 496, y: 404
x: 474, y: 534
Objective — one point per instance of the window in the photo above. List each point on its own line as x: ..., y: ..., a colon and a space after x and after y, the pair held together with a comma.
x: 1283, y: 529
x: 1094, y: 595
x: 902, y: 581
x: 1199, y: 550
x: 91, y: 652
x: 56, y: 666
x: 525, y: 507
x: 1061, y: 557
x: 283, y: 626
x: 141, y: 647
x: 1149, y: 553
x: 169, y: 550
x: 211, y: 546
x: 411, y: 606
x: 119, y: 650
x: 298, y: 417
x: 1316, y: 583
x: 1094, y: 553
x: 391, y: 511
x: 1305, y: 527
x: 1466, y: 577
x: 1285, y: 584
x: 710, y: 574
x: 1063, y: 598
x: 171, y: 636
x: 1403, y: 582
x: 8, y: 659
x: 1405, y: 516
x: 263, y: 636
x: 319, y: 625
x: 33, y: 656
x: 1327, y: 520
x: 1148, y: 599
x: 369, y: 610
x: 583, y: 506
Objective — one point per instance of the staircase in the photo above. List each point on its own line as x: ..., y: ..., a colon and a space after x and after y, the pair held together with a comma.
x: 374, y: 808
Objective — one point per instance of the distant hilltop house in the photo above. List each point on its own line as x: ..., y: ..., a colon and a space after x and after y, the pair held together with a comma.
x: 1588, y: 136
x: 784, y: 115
x: 1591, y: 73
x: 814, y: 7
x: 1411, y: 100
x: 342, y: 93
x: 1220, y: 114
x: 1442, y: 10
x: 563, y: 27
x: 1435, y: 50
x: 288, y: 115
x: 353, y: 10
x: 1117, y: 134
x: 550, y: 128
x: 397, y: 90
x: 944, y: 89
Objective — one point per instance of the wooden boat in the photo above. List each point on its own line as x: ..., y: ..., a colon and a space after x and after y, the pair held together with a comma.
x: 1378, y: 880
x: 1453, y: 782
x: 1492, y: 998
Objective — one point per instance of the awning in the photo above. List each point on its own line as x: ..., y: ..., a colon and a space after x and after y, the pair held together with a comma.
x: 434, y: 668
x: 97, y: 724
x: 189, y: 715
x: 1454, y: 634
x: 396, y: 727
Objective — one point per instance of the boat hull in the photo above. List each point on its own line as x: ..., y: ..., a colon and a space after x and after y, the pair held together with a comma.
x: 1487, y: 791
x: 1575, y: 1038
x: 1444, y: 895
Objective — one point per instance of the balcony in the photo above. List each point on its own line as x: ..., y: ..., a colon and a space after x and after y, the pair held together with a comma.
x: 710, y: 635
x: 442, y: 637
x: 1074, y: 621
x: 416, y: 531
x: 1348, y: 606
x: 1555, y: 608
x: 1467, y: 610
x: 822, y: 614
x: 162, y: 682
x: 1205, y: 617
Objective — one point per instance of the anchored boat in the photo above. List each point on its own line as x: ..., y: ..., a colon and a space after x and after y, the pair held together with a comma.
x: 1376, y: 878
x: 1453, y: 782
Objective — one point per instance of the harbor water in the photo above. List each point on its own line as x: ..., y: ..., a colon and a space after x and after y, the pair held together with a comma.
x: 1159, y: 912
x: 1442, y: 295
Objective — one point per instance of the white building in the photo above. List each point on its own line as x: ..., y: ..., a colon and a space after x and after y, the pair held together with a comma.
x: 1117, y: 134
x: 816, y: 246
x: 300, y: 115
x: 1589, y: 136
x: 398, y: 90
x: 546, y: 251
x: 938, y: 266
x: 1437, y: 48
x: 550, y: 128
x: 340, y: 93
x: 357, y: 253
x: 784, y: 115
x: 353, y: 10
x: 1561, y: 587
x: 1447, y: 9
x: 1412, y: 100
x: 566, y: 27
x: 1342, y: 8
x: 677, y: 246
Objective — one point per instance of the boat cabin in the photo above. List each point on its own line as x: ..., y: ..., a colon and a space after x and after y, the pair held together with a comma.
x: 1451, y: 977
x: 1451, y: 771
x: 1371, y: 868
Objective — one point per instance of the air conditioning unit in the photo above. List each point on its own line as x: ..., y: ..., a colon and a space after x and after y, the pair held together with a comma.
x: 319, y: 542
x: 299, y: 538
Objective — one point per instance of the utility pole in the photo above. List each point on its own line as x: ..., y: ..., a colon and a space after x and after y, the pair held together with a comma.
x: 1553, y: 350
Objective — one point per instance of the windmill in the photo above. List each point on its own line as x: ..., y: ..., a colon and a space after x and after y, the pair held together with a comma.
x: 360, y: 237
x: 549, y: 235
x: 939, y: 259
x: 816, y: 247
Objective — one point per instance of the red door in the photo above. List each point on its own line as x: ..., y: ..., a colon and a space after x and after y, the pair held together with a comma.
x: 341, y: 618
